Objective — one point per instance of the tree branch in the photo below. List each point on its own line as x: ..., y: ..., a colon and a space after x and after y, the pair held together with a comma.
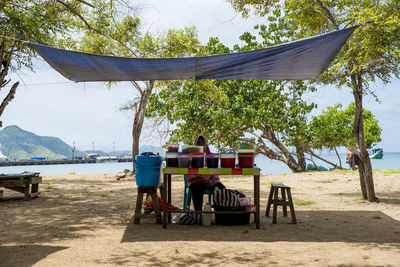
x: 75, y: 13
x: 329, y: 14
x: 324, y: 160
x: 137, y: 87
x: 8, y: 99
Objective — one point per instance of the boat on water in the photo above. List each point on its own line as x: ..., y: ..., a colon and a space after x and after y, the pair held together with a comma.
x: 376, y: 153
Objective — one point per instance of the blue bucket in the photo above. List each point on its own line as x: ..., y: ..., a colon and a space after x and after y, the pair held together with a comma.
x: 147, y: 169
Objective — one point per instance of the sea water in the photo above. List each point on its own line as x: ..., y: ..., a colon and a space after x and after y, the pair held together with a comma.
x: 390, y: 160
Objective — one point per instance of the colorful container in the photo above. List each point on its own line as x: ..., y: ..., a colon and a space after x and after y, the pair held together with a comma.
x: 173, y: 147
x: 246, y: 160
x: 172, y: 159
x: 197, y: 160
x: 147, y: 169
x: 251, y: 208
x: 212, y: 160
x: 246, y: 150
x: 244, y: 201
x: 245, y: 144
x: 228, y: 159
x: 192, y: 149
x: 184, y: 160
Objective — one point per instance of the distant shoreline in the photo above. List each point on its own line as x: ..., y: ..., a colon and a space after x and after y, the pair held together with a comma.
x: 54, y: 162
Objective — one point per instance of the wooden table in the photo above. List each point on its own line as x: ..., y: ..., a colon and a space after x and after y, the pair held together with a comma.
x: 169, y: 171
x: 21, y: 182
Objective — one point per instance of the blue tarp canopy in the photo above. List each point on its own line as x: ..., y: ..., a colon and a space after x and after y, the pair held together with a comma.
x: 304, y: 59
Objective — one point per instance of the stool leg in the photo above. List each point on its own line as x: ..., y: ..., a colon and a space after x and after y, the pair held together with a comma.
x: 138, y: 209
x: 271, y: 192
x: 284, y: 202
x: 274, y: 215
x: 291, y: 206
x: 156, y: 206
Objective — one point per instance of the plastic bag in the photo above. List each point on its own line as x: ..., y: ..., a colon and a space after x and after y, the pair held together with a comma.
x: 149, y: 207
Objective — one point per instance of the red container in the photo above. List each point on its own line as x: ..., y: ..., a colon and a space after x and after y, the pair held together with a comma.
x: 228, y: 159
x: 228, y: 163
x: 246, y: 160
x: 173, y: 147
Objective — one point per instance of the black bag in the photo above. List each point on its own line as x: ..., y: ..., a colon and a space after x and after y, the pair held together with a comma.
x: 190, y: 218
x: 227, y: 200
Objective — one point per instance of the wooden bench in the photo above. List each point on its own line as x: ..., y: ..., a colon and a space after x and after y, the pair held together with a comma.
x: 26, y: 183
x: 276, y: 201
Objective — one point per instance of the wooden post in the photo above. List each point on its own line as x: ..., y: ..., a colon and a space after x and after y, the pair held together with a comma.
x: 169, y: 196
x: 164, y: 197
x: 257, y: 199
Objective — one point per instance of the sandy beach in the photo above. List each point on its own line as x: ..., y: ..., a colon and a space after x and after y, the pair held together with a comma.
x: 87, y: 220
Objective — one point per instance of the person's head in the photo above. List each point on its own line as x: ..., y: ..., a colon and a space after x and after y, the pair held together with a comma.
x: 200, y: 141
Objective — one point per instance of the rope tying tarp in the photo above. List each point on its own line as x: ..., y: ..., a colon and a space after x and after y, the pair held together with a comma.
x: 303, y: 59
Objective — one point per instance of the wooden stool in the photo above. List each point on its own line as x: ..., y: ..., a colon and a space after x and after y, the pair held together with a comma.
x: 277, y: 201
x: 152, y: 191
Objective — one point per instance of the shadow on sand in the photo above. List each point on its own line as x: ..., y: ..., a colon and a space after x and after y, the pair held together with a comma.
x: 25, y: 255
x: 313, y: 226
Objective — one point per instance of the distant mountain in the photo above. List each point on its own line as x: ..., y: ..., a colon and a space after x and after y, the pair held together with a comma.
x: 20, y: 144
x: 16, y: 143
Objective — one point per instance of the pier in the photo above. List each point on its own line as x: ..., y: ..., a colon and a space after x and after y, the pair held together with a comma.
x: 45, y: 162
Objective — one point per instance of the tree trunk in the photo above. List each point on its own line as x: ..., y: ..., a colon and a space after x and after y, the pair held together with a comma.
x: 139, y: 120
x: 338, y: 156
x: 358, y: 131
x: 361, y: 171
x: 287, y: 157
x: 301, y: 160
x: 5, y: 59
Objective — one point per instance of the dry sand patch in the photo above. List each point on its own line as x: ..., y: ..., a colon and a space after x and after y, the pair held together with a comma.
x: 86, y: 220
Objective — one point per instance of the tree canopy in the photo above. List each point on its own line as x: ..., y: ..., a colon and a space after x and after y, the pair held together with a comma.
x: 46, y: 22
x: 333, y: 128
x: 372, y: 53
x: 227, y: 111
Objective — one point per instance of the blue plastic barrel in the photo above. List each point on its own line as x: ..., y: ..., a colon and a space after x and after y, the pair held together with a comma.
x: 147, y: 169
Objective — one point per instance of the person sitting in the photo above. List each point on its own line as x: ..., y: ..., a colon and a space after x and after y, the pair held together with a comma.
x: 198, y: 183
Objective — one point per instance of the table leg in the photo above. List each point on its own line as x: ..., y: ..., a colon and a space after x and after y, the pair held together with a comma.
x: 257, y: 199
x: 169, y: 196
x: 26, y: 192
x: 164, y: 197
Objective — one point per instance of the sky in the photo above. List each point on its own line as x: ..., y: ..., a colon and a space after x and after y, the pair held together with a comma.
x: 88, y: 115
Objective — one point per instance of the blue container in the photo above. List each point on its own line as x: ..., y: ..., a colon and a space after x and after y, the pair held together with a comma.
x: 147, y: 169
